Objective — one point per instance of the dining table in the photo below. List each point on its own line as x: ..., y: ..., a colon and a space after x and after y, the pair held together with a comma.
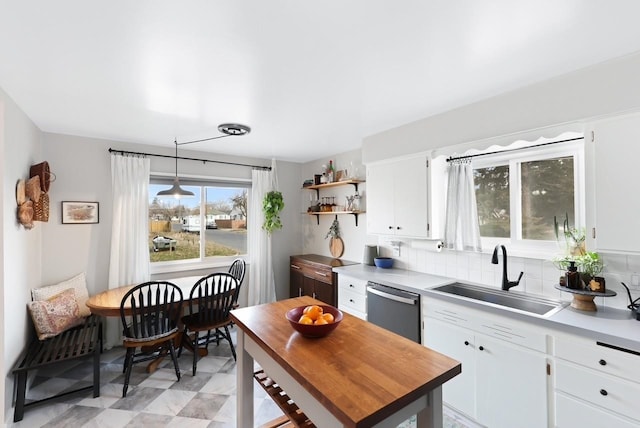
x: 359, y: 375
x: 107, y: 304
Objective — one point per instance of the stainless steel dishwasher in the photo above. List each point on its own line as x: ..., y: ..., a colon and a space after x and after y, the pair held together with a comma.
x: 394, y: 309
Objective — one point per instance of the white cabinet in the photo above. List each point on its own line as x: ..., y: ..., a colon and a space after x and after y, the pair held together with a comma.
x: 352, y: 296
x: 615, y: 175
x: 397, y: 196
x: 503, y: 383
x: 595, y: 384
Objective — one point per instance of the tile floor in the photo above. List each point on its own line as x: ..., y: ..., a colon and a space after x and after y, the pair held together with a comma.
x: 206, y: 400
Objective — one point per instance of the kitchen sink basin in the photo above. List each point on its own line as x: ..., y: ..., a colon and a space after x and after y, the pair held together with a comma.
x: 508, y: 299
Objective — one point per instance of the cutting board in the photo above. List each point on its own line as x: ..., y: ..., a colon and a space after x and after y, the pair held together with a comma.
x: 336, y: 246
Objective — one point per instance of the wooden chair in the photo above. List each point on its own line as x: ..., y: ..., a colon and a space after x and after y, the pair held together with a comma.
x: 150, y: 313
x: 237, y: 269
x: 211, y: 300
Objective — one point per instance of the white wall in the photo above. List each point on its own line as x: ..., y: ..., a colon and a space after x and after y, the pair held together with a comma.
x: 603, y: 89
x: 21, y: 147
x: 313, y: 235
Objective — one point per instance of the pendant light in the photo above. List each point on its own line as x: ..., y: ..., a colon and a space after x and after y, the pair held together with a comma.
x: 176, y: 191
x: 229, y: 130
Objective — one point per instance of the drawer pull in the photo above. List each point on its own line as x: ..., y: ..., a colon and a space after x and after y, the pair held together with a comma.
x: 602, y: 362
x: 351, y: 300
x: 320, y: 273
x: 295, y: 267
x: 466, y: 343
x: 604, y: 392
x: 481, y: 348
x: 351, y: 285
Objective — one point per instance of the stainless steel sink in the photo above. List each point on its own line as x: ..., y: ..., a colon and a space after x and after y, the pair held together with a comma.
x: 509, y: 299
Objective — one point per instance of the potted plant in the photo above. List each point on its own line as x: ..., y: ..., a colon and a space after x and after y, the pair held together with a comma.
x: 272, y: 204
x: 592, y: 266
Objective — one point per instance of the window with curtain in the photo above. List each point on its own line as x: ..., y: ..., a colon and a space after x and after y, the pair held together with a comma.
x: 213, y: 224
x: 518, y: 193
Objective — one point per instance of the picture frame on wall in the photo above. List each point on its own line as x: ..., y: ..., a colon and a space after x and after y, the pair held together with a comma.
x: 80, y: 212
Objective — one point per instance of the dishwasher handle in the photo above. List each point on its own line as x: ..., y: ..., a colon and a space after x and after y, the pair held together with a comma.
x: 405, y: 300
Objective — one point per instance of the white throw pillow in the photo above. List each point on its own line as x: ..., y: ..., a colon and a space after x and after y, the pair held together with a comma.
x: 79, y: 285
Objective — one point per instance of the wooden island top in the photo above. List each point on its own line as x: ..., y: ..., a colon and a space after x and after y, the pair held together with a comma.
x: 361, y: 374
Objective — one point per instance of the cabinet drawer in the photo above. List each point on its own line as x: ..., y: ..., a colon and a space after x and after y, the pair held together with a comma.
x: 515, y: 333
x: 321, y: 273
x: 606, y: 391
x: 448, y: 313
x: 571, y: 412
x: 353, y: 285
x: 588, y: 353
x: 352, y: 300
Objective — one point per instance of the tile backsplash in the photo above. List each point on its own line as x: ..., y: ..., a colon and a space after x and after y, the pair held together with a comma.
x: 539, y: 275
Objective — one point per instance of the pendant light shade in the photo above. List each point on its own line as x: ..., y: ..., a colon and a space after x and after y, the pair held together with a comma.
x: 175, y: 191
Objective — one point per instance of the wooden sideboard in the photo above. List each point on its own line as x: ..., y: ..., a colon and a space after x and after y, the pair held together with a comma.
x: 312, y: 275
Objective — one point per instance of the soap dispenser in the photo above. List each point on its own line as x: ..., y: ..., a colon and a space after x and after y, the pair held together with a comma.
x: 572, y: 276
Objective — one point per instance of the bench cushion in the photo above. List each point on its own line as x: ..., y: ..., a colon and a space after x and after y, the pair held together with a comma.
x: 78, y: 283
x: 55, y: 315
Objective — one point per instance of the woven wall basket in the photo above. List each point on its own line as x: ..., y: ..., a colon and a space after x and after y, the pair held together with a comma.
x: 46, y: 176
x: 41, y: 208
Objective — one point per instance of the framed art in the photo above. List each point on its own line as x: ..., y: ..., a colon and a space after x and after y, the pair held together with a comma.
x: 79, y: 212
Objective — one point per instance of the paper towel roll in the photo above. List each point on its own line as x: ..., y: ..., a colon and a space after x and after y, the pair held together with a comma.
x: 433, y: 245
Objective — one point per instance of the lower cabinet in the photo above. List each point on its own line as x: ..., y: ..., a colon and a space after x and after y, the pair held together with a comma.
x: 308, y: 276
x: 596, y: 384
x: 352, y: 296
x: 502, y: 384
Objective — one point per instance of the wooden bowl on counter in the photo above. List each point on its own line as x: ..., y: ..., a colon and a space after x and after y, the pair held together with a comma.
x: 311, y: 330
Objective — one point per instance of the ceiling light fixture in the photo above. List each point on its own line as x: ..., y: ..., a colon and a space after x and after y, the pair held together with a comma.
x: 229, y: 130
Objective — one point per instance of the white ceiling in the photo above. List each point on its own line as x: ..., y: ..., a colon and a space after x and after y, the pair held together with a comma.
x: 311, y: 78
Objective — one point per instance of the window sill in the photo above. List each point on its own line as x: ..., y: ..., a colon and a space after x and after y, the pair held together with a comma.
x: 186, y: 266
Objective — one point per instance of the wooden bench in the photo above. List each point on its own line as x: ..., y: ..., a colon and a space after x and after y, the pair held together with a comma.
x: 82, y: 341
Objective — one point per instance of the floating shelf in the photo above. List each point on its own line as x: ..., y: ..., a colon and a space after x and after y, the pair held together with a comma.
x: 317, y: 187
x: 336, y: 213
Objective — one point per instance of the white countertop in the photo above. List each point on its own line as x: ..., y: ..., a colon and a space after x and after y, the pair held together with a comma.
x: 613, y: 326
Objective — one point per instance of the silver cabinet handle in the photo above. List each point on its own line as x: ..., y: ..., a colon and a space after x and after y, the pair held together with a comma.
x: 320, y: 273
x: 295, y: 267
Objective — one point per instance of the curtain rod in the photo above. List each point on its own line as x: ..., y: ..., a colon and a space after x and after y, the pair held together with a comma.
x: 451, y: 158
x: 125, y: 152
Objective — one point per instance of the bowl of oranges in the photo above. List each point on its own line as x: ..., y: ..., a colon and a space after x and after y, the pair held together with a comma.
x: 314, y: 320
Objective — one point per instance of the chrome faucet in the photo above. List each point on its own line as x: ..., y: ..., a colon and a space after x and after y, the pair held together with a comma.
x: 506, y: 284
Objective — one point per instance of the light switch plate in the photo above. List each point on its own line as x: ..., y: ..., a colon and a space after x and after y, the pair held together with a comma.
x: 635, y: 280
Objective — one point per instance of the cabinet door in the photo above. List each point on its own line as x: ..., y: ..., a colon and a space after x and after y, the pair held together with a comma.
x: 511, y: 385
x: 410, y: 198
x: 380, y: 199
x: 616, y: 176
x: 325, y: 292
x: 308, y: 286
x: 458, y: 344
x: 296, y: 281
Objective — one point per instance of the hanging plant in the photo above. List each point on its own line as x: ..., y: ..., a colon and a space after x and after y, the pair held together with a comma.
x: 271, y: 206
x: 334, y: 230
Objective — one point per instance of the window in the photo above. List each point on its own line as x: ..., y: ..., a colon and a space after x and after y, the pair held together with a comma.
x: 211, y: 224
x: 518, y: 193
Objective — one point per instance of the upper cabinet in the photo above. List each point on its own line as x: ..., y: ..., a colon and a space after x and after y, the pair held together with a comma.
x: 397, y: 195
x: 613, y: 199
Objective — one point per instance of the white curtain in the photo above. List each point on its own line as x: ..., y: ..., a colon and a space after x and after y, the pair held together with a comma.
x: 462, y: 231
x: 129, y: 261
x: 262, y: 284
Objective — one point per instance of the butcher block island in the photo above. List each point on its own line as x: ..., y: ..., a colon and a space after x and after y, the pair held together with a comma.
x: 360, y: 375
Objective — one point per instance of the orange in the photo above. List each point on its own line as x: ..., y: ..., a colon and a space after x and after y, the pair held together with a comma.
x: 313, y: 311
x: 305, y: 320
x: 328, y: 317
x: 320, y: 321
